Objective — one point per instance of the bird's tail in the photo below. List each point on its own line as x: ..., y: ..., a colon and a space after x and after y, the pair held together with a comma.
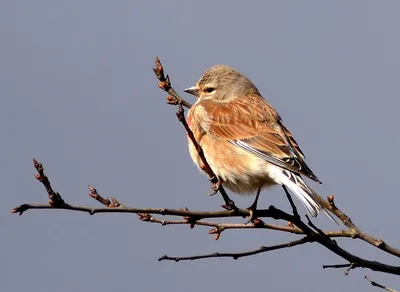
x: 304, y: 193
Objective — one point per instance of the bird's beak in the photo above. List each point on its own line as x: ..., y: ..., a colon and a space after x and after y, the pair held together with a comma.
x: 192, y: 90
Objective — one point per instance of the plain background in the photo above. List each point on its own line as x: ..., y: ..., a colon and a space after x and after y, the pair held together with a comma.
x: 78, y: 93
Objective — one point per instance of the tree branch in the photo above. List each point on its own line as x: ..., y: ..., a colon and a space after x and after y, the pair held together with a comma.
x: 311, y: 233
x: 373, y: 283
x: 379, y: 243
x: 238, y: 255
x: 194, y: 217
x: 165, y: 84
x: 175, y: 99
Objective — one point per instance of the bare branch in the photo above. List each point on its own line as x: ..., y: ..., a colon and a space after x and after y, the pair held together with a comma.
x: 289, y: 197
x: 238, y: 255
x: 165, y: 84
x: 373, y: 283
x: 175, y: 99
x: 220, y: 227
x: 348, y: 266
x: 193, y: 217
x: 106, y: 202
x: 311, y: 233
x: 379, y: 243
x: 340, y: 266
x: 55, y: 199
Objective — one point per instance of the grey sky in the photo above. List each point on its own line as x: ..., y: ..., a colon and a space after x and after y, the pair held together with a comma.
x: 78, y: 93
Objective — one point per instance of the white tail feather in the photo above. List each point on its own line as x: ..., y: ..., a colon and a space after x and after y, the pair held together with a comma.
x: 312, y: 206
x: 306, y: 195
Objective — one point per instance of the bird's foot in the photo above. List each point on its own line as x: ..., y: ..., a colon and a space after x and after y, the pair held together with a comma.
x: 216, y: 185
x: 253, y: 208
x: 253, y: 213
x: 229, y: 205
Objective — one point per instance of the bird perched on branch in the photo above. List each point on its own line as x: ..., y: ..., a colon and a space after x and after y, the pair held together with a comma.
x: 244, y: 140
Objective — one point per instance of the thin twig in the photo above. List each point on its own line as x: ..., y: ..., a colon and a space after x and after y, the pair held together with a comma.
x: 340, y: 266
x: 175, y: 99
x: 219, y: 227
x: 238, y: 255
x: 161, y: 211
x: 111, y: 203
x: 330, y: 205
x: 165, y: 84
x: 348, y: 267
x: 55, y: 198
x: 289, y: 197
x: 375, y: 284
x: 320, y: 231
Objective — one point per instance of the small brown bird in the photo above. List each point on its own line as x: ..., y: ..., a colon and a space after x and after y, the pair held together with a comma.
x: 244, y: 140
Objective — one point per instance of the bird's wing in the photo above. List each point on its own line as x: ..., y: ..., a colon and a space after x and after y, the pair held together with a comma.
x: 253, y: 125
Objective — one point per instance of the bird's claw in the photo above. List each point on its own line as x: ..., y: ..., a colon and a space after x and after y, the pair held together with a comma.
x: 229, y: 205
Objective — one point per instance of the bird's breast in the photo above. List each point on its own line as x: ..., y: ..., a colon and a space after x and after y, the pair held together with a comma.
x: 241, y: 171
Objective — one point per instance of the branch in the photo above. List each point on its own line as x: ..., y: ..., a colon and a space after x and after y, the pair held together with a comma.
x: 311, y: 233
x: 165, y: 84
x: 144, y: 214
x: 220, y: 227
x: 55, y: 199
x: 193, y: 217
x: 373, y: 283
x: 357, y: 233
x: 175, y: 99
x: 238, y: 255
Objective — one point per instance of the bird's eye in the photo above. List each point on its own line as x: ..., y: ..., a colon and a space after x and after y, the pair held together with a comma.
x: 209, y: 89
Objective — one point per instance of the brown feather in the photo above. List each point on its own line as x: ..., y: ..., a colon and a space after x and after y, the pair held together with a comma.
x: 261, y: 129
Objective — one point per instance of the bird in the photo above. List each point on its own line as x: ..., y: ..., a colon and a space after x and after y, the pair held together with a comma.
x: 244, y: 139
